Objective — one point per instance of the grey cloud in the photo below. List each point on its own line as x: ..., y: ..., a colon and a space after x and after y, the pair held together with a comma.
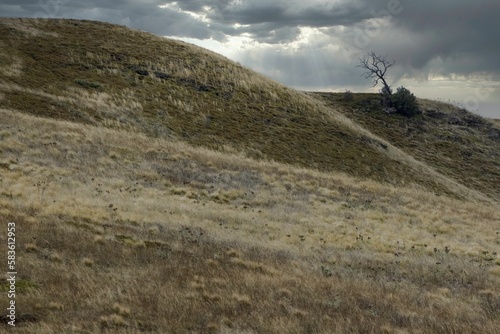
x: 288, y: 14
x: 454, y: 29
x: 270, y: 33
x: 144, y: 15
x: 306, y: 68
x: 461, y: 34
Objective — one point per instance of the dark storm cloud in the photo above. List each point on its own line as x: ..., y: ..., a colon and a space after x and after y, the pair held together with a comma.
x: 144, y: 15
x: 280, y: 16
x: 464, y: 33
x: 295, y: 13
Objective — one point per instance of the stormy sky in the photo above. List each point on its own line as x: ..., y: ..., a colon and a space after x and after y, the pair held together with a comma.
x: 447, y: 49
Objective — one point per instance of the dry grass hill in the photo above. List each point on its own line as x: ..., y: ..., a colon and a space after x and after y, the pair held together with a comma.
x: 457, y: 143
x: 158, y: 187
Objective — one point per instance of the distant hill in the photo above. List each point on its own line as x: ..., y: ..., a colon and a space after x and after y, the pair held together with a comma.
x: 106, y: 75
x: 455, y: 142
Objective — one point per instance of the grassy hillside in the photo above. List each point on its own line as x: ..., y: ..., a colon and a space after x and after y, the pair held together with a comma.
x: 121, y: 233
x: 157, y: 187
x: 455, y: 142
x: 105, y: 75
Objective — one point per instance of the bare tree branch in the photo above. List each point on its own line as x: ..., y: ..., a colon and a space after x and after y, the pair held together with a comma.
x: 376, y: 66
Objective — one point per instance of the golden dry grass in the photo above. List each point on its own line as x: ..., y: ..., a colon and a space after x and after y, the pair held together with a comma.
x: 106, y: 75
x: 122, y: 233
x: 204, y: 198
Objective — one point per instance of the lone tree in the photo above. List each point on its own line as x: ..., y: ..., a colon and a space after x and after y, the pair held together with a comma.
x: 403, y: 101
x: 376, y: 67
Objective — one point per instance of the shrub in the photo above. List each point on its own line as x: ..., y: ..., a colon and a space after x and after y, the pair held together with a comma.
x: 405, y: 102
x: 348, y: 96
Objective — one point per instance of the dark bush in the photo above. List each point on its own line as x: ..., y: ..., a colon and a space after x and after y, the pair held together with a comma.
x: 405, y: 102
x: 348, y: 96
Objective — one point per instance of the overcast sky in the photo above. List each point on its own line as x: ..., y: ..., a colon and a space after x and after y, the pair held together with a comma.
x: 447, y: 49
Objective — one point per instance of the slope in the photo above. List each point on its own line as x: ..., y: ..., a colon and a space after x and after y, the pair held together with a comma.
x: 105, y: 75
x: 455, y: 142
x: 118, y: 232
